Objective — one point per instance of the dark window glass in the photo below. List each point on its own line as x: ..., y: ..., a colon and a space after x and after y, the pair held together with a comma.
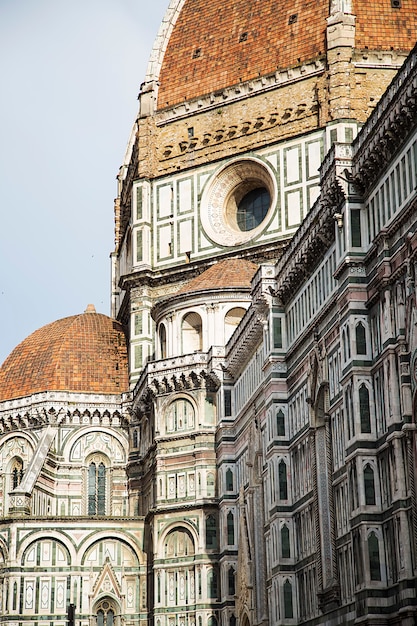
x: 229, y: 480
x: 282, y: 479
x: 211, y: 532
x: 97, y: 489
x: 92, y: 489
x: 373, y: 552
x: 364, y: 409
x: 253, y: 208
x: 288, y: 609
x: 360, y: 339
x: 227, y: 402
x: 285, y: 542
x: 280, y: 424
x: 231, y: 581
x: 277, y: 326
x: 230, y: 529
x: 212, y: 583
x: 355, y: 216
x: 369, y: 484
x: 101, y: 489
x: 110, y: 618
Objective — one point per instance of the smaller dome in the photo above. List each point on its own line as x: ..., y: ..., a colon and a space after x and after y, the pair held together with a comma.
x: 82, y: 353
x: 225, y: 274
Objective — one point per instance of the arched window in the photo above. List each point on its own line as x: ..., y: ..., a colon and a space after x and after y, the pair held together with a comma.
x: 280, y: 424
x: 364, y: 410
x: 285, y: 542
x: 231, y: 581
x: 373, y: 553
x: 180, y: 416
x: 179, y: 543
x: 232, y: 621
x: 350, y: 417
x: 212, y: 621
x: 229, y: 480
x: 212, y: 583
x: 353, y: 485
x: 230, y: 529
x: 105, y: 613
x: 211, y: 532
x: 191, y: 333
x: 369, y: 485
x: 288, y: 607
x: 231, y: 321
x: 344, y: 345
x: 163, y: 341
x: 360, y: 338
x: 282, y: 479
x: 96, y: 488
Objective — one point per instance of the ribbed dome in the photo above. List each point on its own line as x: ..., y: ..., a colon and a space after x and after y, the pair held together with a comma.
x: 85, y: 353
x: 227, y: 273
x: 217, y: 44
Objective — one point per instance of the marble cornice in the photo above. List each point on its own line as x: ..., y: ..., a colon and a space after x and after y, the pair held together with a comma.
x: 60, y: 408
x: 181, y: 273
x: 249, y: 340
x: 391, y: 121
x: 239, y: 92
x: 242, y: 345
x: 174, y: 374
x: 315, y: 236
x: 317, y: 232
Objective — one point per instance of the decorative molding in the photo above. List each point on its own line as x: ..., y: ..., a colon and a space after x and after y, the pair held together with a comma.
x: 239, y: 92
x: 389, y: 124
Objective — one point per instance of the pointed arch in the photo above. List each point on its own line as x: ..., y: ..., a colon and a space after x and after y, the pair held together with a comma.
x: 360, y: 337
x: 374, y: 557
x: 364, y: 409
x: 369, y: 485
x: 282, y: 480
x: 230, y: 529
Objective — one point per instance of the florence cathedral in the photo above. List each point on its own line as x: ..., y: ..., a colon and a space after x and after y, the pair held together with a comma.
x: 235, y: 445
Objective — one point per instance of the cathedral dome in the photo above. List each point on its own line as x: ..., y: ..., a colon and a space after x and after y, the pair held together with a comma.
x: 82, y: 353
x: 230, y: 273
x: 209, y: 46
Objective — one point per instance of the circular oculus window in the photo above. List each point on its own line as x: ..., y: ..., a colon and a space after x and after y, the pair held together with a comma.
x: 237, y: 203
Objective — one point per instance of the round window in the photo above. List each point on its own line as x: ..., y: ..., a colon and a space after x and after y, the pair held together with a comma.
x: 252, y: 209
x: 237, y: 204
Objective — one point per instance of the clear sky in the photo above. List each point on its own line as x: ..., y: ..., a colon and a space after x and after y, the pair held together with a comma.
x: 70, y: 74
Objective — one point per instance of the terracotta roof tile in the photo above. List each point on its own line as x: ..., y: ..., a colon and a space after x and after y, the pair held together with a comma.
x: 237, y: 41
x: 221, y: 43
x: 227, y: 273
x: 85, y: 353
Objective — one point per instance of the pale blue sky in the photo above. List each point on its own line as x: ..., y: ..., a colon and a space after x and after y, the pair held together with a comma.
x: 70, y: 73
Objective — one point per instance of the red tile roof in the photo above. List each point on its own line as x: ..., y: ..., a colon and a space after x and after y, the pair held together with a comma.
x: 85, y: 353
x: 221, y: 43
x: 227, y: 273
